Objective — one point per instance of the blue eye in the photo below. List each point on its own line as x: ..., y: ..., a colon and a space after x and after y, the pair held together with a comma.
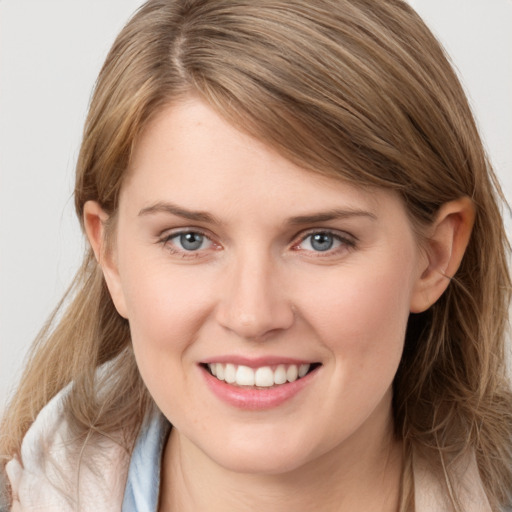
x: 321, y: 241
x: 324, y: 242
x: 189, y: 241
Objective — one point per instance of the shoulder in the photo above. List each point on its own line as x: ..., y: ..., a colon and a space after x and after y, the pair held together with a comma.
x: 63, y: 472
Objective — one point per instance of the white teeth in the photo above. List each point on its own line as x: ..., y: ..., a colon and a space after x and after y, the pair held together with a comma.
x: 230, y: 373
x: 244, y: 376
x: 263, y: 377
x: 303, y: 369
x: 292, y: 373
x: 280, y: 374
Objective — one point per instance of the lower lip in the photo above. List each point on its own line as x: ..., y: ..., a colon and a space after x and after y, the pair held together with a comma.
x: 256, y: 399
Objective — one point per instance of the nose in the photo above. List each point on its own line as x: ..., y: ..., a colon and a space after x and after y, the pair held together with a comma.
x: 253, y: 301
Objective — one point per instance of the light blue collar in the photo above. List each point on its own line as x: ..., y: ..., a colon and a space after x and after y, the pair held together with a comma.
x: 143, y: 483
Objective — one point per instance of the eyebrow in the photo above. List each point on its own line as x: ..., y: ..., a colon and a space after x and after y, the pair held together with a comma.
x: 330, y: 215
x: 199, y: 216
x: 172, y: 209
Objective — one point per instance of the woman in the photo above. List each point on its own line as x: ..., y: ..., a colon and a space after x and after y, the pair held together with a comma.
x: 296, y: 260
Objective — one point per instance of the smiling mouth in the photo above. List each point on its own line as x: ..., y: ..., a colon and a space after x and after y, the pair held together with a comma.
x: 262, y: 377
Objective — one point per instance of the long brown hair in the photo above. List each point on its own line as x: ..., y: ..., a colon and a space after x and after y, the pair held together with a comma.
x: 356, y: 89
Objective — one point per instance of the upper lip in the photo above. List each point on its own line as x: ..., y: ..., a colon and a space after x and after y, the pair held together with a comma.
x: 256, y: 362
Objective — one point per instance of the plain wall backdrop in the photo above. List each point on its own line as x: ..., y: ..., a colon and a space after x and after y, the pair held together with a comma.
x: 50, y: 54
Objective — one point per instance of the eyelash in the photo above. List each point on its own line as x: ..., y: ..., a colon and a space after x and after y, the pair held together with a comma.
x: 346, y: 242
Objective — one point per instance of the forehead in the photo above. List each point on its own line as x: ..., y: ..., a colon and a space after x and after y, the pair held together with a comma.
x: 188, y: 153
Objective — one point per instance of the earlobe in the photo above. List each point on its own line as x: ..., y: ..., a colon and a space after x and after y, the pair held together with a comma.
x: 95, y: 219
x: 445, y: 247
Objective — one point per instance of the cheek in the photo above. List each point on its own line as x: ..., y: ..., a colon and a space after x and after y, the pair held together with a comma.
x: 361, y: 314
x: 166, y: 303
x: 166, y: 311
x: 361, y: 323
x: 163, y: 306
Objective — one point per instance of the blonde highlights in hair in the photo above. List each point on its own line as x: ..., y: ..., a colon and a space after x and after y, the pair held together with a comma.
x: 355, y: 89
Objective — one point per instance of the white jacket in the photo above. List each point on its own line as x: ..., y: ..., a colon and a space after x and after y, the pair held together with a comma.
x: 48, y: 462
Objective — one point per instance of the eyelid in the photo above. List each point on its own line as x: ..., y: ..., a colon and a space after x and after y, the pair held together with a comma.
x: 172, y: 232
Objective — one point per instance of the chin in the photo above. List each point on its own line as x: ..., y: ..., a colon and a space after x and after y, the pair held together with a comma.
x: 261, y: 458
x: 261, y: 465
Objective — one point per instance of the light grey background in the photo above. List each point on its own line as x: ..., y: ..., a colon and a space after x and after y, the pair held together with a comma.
x: 50, y: 54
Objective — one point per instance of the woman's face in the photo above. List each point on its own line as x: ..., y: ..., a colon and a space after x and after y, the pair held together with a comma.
x: 292, y: 287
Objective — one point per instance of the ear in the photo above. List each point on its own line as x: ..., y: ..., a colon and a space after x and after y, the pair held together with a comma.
x: 95, y: 219
x: 447, y: 241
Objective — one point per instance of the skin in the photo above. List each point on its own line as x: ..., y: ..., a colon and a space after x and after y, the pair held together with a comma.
x: 257, y: 287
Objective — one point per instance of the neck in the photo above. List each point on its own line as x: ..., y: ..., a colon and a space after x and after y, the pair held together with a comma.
x: 362, y: 474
